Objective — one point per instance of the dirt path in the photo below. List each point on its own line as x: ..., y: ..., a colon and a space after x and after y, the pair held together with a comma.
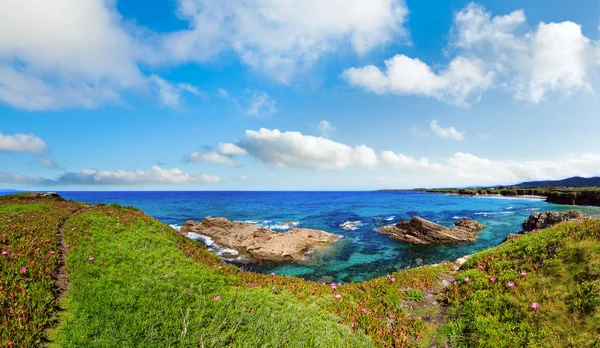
x: 61, y: 276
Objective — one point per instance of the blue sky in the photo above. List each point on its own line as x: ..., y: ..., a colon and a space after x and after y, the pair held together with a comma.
x: 296, y: 95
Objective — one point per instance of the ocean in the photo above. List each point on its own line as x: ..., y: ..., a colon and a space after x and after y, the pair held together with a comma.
x: 362, y: 253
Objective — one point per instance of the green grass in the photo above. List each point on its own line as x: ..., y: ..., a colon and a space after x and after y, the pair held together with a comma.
x: 29, y: 257
x: 140, y: 290
x: 147, y: 285
x: 562, y: 275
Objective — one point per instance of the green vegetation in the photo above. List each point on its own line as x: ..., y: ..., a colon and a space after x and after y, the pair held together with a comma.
x: 538, y: 290
x: 134, y: 281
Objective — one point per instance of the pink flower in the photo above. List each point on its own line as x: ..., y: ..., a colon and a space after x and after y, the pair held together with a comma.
x: 272, y: 274
x: 51, y: 252
x: 467, y: 280
x: 480, y: 267
x: 523, y: 273
x: 47, y: 240
x: 333, y: 286
x: 535, y: 305
x: 511, y: 284
x: 392, y: 279
x: 581, y: 223
x: 493, y: 279
x: 216, y: 298
x: 338, y: 296
x: 339, y: 284
x: 363, y: 310
x: 91, y: 259
x: 4, y: 252
x: 73, y: 229
x: 23, y: 270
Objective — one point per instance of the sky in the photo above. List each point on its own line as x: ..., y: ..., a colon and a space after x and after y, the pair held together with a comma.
x: 297, y: 94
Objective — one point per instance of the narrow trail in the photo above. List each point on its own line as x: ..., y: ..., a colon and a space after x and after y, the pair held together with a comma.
x: 61, y: 276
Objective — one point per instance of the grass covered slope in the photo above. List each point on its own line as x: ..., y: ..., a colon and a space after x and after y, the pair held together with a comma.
x: 133, y: 281
x: 29, y: 259
x: 130, y: 284
x: 542, y: 289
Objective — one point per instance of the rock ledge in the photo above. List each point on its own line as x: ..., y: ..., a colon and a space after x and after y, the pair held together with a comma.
x: 421, y: 231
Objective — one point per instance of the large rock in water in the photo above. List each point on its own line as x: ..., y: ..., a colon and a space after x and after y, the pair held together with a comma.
x: 421, y: 231
x: 260, y: 243
x: 538, y: 221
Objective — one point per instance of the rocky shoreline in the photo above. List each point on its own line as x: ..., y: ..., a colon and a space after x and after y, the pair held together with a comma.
x: 260, y: 243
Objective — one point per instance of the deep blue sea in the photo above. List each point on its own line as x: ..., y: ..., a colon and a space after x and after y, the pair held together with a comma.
x: 362, y: 253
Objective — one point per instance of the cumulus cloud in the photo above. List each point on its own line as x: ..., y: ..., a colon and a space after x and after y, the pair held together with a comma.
x: 64, y: 53
x: 446, y: 133
x: 169, y: 93
x: 460, y: 81
x: 401, y: 161
x: 211, y: 157
x: 22, y: 143
x: 156, y: 175
x: 281, y: 38
x: 492, y: 52
x: 229, y: 149
x: 296, y: 150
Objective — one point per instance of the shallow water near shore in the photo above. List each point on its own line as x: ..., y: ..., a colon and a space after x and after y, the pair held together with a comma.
x: 362, y: 253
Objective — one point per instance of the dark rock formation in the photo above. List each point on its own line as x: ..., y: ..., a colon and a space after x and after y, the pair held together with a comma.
x: 260, y: 243
x: 44, y: 195
x: 538, y: 221
x: 421, y: 231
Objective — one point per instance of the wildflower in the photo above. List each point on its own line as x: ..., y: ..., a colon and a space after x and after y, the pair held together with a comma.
x: 480, y: 267
x: 51, y: 252
x: 216, y: 298
x: 23, y: 270
x: 339, y: 284
x: 581, y: 223
x: 493, y: 279
x: 363, y: 310
x: 338, y: 296
x: 47, y: 240
x: 523, y: 273
x: 511, y: 284
x: 467, y: 280
x: 73, y: 229
x: 392, y: 279
x: 91, y: 259
x: 4, y: 252
x: 333, y: 286
x: 535, y: 305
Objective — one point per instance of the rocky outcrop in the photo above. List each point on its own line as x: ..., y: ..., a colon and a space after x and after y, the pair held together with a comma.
x: 421, y: 231
x: 591, y: 197
x: 44, y: 195
x: 537, y: 221
x: 260, y: 243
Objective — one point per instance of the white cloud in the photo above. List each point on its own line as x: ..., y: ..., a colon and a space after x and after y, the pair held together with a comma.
x: 211, y: 157
x: 229, y: 149
x: 401, y: 161
x: 282, y: 38
x: 460, y: 81
x: 446, y: 133
x: 492, y: 52
x: 22, y: 143
x: 261, y: 104
x: 169, y: 93
x: 326, y: 128
x: 243, y: 178
x: 156, y: 175
x: 64, y: 53
x: 45, y: 161
x: 296, y: 150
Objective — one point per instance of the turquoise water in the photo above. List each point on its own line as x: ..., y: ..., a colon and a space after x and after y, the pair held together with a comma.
x: 362, y: 253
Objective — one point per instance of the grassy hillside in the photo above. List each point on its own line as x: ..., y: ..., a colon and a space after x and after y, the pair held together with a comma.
x: 133, y: 281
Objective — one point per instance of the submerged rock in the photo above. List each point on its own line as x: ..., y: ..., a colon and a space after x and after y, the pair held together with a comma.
x: 421, y: 231
x: 260, y: 243
x: 537, y: 221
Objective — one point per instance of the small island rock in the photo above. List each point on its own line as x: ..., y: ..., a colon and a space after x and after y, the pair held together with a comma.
x: 421, y: 231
